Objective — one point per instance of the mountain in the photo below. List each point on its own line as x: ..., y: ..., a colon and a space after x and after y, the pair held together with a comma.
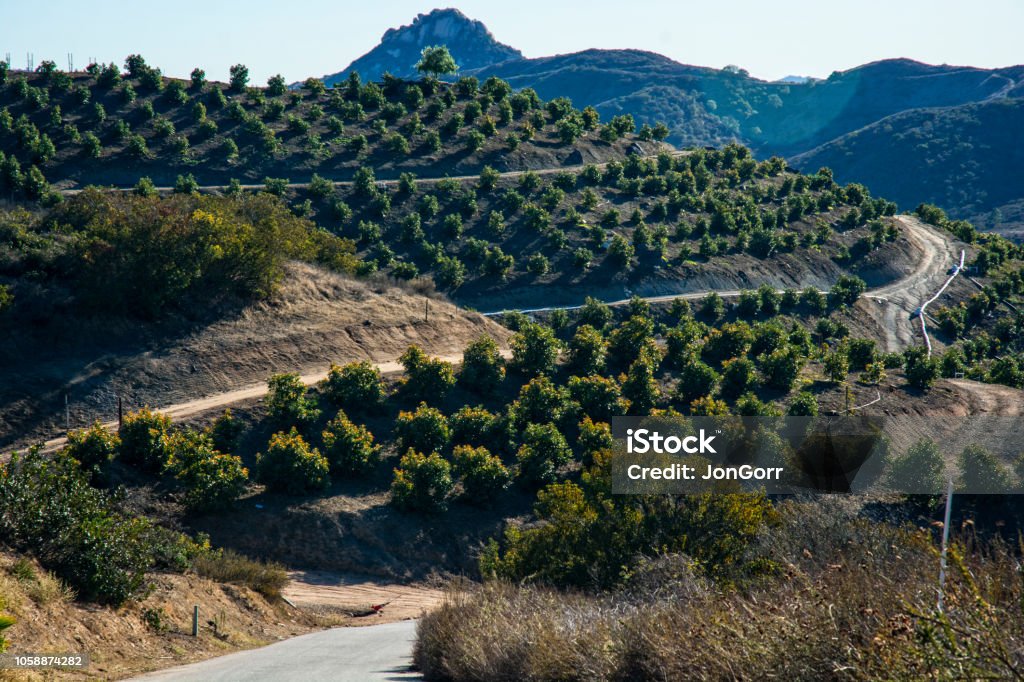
x: 469, y: 41
x: 967, y: 156
x: 883, y: 105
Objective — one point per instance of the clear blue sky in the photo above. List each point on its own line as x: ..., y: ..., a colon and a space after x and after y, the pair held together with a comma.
x: 299, y: 38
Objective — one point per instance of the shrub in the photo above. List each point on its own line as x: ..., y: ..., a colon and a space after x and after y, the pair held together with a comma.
x: 291, y: 466
x: 213, y: 480
x: 590, y: 538
x: 51, y: 511
x: 227, y: 566
x: 144, y: 439
x: 534, y: 350
x: 919, y: 470
x: 483, y: 368
x: 483, y: 474
x: 93, y: 448
x: 542, y: 452
x: 349, y: 447
x: 425, y: 378
x: 473, y: 426
x: 422, y: 483
x: 425, y: 430
x: 287, y: 403
x: 921, y: 370
x: 355, y: 386
x: 225, y: 432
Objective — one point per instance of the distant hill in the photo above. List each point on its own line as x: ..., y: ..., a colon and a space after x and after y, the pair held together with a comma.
x: 469, y: 41
x: 968, y: 156
x: 798, y: 118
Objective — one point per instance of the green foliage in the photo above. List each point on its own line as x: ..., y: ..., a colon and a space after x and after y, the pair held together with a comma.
x: 72, y: 529
x: 145, y: 254
x: 982, y: 472
x: 144, y: 438
x: 425, y: 430
x: 921, y: 469
x: 587, y: 351
x: 589, y: 538
x: 483, y: 368
x: 349, y: 447
x: 534, y: 350
x: 287, y: 402
x: 436, y: 61
x: 483, y: 474
x: 291, y: 466
x: 94, y: 449
x: 357, y: 386
x: 422, y: 482
x: 426, y: 378
x: 542, y: 452
x: 920, y: 369
x: 213, y: 480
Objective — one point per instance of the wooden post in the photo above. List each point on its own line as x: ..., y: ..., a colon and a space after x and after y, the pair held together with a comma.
x: 67, y: 414
x: 120, y: 412
x: 195, y: 620
x: 426, y: 310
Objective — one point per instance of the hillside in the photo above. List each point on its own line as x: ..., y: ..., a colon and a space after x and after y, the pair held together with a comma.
x: 706, y: 106
x: 316, y: 318
x: 967, y: 156
x: 112, y: 128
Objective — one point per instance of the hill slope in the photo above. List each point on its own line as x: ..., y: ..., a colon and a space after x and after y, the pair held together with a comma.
x: 967, y: 156
x: 705, y: 106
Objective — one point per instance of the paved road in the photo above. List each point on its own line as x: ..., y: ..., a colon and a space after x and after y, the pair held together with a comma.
x: 358, y: 654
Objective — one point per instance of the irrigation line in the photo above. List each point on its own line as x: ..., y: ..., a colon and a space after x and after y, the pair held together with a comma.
x: 924, y: 306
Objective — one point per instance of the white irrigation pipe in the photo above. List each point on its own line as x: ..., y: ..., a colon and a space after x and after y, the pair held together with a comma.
x: 861, y: 407
x: 924, y: 306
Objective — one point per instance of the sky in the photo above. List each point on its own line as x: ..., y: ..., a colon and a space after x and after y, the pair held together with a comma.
x: 303, y: 38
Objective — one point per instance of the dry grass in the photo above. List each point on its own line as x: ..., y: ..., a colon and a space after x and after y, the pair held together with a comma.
x: 852, y: 600
x: 230, y: 567
x: 35, y: 582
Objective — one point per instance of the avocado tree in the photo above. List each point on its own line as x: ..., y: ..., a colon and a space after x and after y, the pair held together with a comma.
x: 436, y: 61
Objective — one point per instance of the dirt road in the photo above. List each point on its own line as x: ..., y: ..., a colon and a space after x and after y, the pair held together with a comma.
x: 896, y: 299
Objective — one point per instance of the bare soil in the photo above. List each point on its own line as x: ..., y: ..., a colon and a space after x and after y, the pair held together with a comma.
x: 316, y: 318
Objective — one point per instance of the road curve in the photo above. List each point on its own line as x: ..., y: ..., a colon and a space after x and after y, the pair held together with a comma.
x: 356, y: 654
x: 897, y: 298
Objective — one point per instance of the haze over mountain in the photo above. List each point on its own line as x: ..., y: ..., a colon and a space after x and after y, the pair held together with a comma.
x: 805, y: 120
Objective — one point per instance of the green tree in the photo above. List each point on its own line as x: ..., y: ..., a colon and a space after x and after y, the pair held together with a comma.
x: 422, y: 482
x: 291, y: 466
x: 598, y: 397
x: 288, y: 404
x: 542, y: 452
x: 982, y: 472
x: 696, y: 380
x: 212, y: 480
x: 836, y: 364
x: 587, y: 350
x: 920, y: 470
x: 436, y: 61
x: 920, y: 369
x: 483, y: 368
x: 425, y: 378
x: 144, y: 437
x: 640, y: 387
x: 483, y: 475
x: 803, y: 405
x: 94, y: 449
x: 349, y: 447
x: 534, y: 350
x: 355, y: 386
x: 239, y: 77
x: 425, y: 430
x: 738, y: 377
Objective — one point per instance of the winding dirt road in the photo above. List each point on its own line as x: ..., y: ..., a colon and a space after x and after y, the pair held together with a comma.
x: 897, y: 299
